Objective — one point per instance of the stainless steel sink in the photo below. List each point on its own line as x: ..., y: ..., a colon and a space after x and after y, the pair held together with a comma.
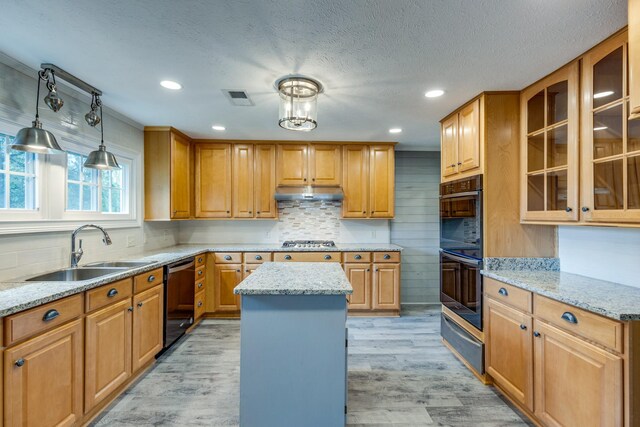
x: 119, y: 264
x: 75, y: 274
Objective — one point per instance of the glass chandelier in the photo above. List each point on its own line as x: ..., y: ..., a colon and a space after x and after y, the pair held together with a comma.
x: 298, y: 103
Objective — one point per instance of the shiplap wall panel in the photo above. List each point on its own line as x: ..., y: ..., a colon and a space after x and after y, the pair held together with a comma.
x: 416, y: 226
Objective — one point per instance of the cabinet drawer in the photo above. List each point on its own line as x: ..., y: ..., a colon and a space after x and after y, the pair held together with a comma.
x: 199, y: 305
x: 307, y: 256
x: 228, y: 258
x: 256, y: 257
x: 386, y: 257
x: 199, y: 286
x: 200, y: 259
x: 507, y: 294
x: 107, y: 294
x: 357, y: 256
x: 39, y: 319
x: 603, y: 331
x: 200, y: 272
x: 148, y: 280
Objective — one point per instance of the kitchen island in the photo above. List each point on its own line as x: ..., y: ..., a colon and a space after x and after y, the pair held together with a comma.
x: 293, y: 355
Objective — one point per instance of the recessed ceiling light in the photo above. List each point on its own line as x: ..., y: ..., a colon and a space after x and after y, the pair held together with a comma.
x: 395, y: 130
x: 434, y: 93
x: 218, y: 127
x: 169, y: 84
x: 600, y: 128
x: 602, y: 94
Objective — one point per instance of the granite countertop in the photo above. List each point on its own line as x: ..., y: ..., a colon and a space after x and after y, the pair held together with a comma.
x: 17, y: 295
x: 609, y: 299
x: 299, y: 278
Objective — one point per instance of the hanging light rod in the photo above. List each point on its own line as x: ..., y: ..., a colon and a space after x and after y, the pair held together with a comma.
x: 70, y: 78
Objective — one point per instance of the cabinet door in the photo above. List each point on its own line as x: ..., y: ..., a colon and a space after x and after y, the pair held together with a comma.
x: 359, y: 276
x: 243, y: 181
x: 325, y: 164
x: 509, y: 351
x: 43, y: 379
x: 248, y: 269
x: 381, y: 181
x: 213, y: 180
x: 576, y: 383
x: 634, y: 57
x: 449, y: 146
x: 180, y: 177
x: 610, y: 180
x: 107, y: 351
x: 265, y: 181
x: 549, y: 132
x: 355, y: 177
x: 226, y: 278
x: 469, y: 137
x: 148, y: 326
x: 386, y: 286
x: 292, y: 164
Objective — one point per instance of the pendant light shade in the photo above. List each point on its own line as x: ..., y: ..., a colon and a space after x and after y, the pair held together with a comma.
x: 298, y: 103
x: 101, y: 158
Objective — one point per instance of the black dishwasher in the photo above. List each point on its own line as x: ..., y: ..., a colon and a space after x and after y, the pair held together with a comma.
x: 178, y: 299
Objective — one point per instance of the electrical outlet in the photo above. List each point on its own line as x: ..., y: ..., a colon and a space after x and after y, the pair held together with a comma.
x: 131, y: 241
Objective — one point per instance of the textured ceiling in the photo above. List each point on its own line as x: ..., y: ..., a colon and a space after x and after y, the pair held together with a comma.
x: 375, y: 58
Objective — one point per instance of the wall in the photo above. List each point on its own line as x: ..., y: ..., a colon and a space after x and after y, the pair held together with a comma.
x: 22, y: 254
x: 602, y: 252
x: 416, y: 224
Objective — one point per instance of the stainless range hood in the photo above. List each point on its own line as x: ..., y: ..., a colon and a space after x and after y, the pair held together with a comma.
x: 309, y: 193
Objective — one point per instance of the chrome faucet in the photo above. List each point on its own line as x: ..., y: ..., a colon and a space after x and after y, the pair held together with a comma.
x: 77, y: 254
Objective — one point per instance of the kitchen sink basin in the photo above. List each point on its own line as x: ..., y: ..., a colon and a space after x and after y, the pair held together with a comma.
x: 119, y: 264
x: 75, y: 274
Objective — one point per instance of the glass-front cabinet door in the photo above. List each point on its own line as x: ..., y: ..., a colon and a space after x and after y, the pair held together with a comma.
x: 549, y: 148
x: 610, y: 180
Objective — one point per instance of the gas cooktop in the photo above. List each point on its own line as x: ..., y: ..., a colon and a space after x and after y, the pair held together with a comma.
x: 309, y: 244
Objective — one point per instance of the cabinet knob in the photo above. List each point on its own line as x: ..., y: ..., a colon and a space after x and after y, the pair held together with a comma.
x: 227, y: 257
x: 327, y: 257
x: 247, y: 270
x: 536, y: 334
x: 200, y: 273
x: 228, y: 211
x: 459, y: 163
x: 199, y: 285
x: 358, y: 256
x: 377, y: 269
x: 140, y: 304
x: 130, y: 309
x: 368, y: 270
x: 523, y: 327
x: 287, y: 257
x: 249, y: 212
x: 568, y: 209
x: 258, y: 257
x: 386, y: 256
x: 50, y: 315
x: 200, y: 259
x: 199, y: 303
x: 237, y: 271
x: 112, y: 293
x: 585, y: 209
x: 19, y: 363
x: 364, y: 212
x: 258, y: 212
x: 151, y: 278
x: 313, y: 179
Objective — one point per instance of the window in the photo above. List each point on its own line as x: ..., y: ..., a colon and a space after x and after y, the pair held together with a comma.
x: 17, y: 177
x: 90, y: 190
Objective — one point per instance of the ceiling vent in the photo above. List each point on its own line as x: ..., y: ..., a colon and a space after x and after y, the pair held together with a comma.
x: 238, y: 97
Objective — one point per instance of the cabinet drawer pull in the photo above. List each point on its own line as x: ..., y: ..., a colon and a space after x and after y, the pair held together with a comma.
x: 287, y: 257
x: 50, y: 315
x: 536, y: 334
x: 523, y: 327
x: 19, y: 363
x: 112, y: 292
x: 151, y: 278
x: 358, y: 256
x: 569, y: 317
x: 386, y: 256
x: 140, y: 304
x: 327, y: 257
x: 199, y: 303
x: 503, y: 292
x: 227, y: 257
x: 258, y: 257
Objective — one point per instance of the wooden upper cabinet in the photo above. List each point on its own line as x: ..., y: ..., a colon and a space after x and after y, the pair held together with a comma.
x: 469, y: 137
x: 382, y: 181
x: 355, y: 181
x: 265, y: 181
x: 43, y: 379
x: 549, y: 131
x: 449, y: 146
x: 243, y: 170
x: 293, y: 164
x: 168, y: 174
x: 634, y: 58
x: 610, y: 180
x: 325, y: 164
x: 213, y: 180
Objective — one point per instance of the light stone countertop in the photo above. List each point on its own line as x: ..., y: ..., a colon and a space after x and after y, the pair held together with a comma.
x: 17, y: 295
x: 296, y: 278
x: 608, y: 299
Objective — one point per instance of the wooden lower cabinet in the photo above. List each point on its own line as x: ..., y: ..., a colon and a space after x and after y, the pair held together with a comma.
x: 508, y: 351
x: 248, y: 269
x: 576, y: 383
x: 107, y: 363
x: 386, y: 287
x: 226, y: 278
x: 148, y: 326
x: 360, y: 277
x: 43, y: 379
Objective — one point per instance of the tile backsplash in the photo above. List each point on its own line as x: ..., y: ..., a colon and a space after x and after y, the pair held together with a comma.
x: 309, y: 220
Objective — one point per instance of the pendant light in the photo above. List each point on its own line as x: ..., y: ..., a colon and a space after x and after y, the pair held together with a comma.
x: 92, y: 117
x: 52, y: 99
x: 35, y: 139
x: 298, y: 103
x: 101, y: 158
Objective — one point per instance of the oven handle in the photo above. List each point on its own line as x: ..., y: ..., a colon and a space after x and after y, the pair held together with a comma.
x: 180, y: 267
x: 454, y: 329
x: 461, y: 259
x: 466, y: 194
